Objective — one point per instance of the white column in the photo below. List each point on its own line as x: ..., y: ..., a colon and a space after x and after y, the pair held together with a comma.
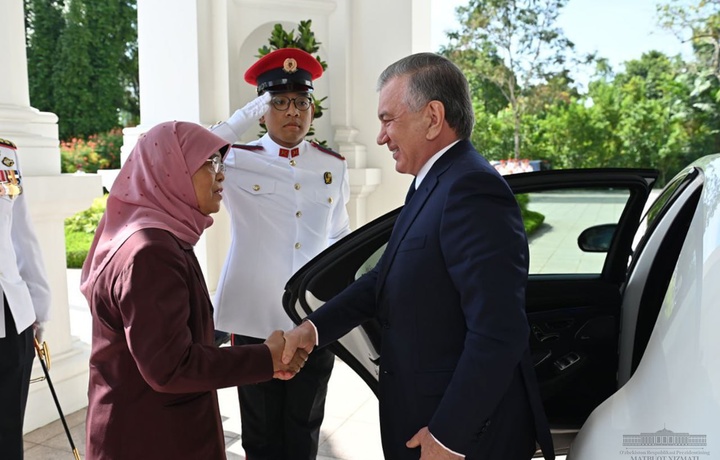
x: 51, y: 197
x: 168, y: 65
x: 363, y: 179
x: 380, y: 32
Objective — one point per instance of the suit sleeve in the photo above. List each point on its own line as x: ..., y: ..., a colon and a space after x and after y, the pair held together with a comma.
x: 30, y: 259
x: 352, y: 307
x: 154, y: 301
x: 484, y: 246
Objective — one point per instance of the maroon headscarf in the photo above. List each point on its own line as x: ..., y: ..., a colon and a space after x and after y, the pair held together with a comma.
x: 154, y: 189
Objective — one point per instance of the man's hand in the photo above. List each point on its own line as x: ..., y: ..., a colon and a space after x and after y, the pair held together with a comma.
x: 430, y: 449
x: 302, y: 337
x: 284, y: 371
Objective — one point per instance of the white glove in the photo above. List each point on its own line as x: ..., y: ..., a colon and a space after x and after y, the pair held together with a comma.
x: 243, y: 119
x: 38, y: 330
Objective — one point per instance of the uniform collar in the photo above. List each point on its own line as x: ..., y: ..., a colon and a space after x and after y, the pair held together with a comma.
x: 273, y: 149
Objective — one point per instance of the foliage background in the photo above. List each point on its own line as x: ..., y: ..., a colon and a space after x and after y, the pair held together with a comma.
x: 657, y: 111
x: 82, y: 63
x: 83, y: 66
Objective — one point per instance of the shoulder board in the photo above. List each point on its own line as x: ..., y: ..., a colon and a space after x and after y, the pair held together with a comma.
x: 252, y: 148
x: 7, y: 143
x: 327, y: 150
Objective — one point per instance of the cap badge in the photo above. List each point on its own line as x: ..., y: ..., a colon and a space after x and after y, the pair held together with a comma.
x: 8, y: 162
x: 290, y: 65
x: 328, y: 177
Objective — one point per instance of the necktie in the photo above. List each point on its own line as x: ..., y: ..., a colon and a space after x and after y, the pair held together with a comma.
x: 289, y: 153
x: 410, y: 193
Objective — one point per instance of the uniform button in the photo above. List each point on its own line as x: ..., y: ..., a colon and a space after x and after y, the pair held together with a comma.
x: 297, y: 245
x: 330, y: 200
x: 256, y: 187
x: 292, y: 163
x: 297, y: 186
x: 298, y: 214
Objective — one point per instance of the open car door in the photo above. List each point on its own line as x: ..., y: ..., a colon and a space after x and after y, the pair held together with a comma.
x: 586, y: 220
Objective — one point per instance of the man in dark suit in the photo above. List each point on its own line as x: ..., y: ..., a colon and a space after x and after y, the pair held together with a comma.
x: 449, y: 292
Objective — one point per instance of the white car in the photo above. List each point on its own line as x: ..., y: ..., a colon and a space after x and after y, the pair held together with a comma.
x: 623, y: 306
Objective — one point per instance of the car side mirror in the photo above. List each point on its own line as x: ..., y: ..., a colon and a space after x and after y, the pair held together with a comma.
x: 597, y: 238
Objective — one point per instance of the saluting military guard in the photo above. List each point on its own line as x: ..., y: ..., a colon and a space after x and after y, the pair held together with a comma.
x: 25, y: 295
x: 286, y: 198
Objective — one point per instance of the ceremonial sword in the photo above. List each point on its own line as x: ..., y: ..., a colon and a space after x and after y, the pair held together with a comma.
x: 43, y: 355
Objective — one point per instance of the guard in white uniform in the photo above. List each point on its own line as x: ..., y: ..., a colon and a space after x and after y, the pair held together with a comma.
x: 25, y: 295
x: 286, y: 198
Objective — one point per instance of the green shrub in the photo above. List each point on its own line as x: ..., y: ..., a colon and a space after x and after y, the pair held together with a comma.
x: 80, y: 231
x: 532, y: 220
x: 77, y: 245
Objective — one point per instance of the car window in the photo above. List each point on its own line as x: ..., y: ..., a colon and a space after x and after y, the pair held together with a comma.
x: 565, y: 214
x: 370, y: 263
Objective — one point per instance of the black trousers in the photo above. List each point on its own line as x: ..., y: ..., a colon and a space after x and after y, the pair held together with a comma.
x: 16, y: 358
x: 281, y: 418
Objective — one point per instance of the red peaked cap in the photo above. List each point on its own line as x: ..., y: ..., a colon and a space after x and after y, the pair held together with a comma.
x: 285, y: 69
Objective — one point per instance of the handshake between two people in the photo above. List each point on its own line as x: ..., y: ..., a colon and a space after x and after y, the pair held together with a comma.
x: 290, y: 350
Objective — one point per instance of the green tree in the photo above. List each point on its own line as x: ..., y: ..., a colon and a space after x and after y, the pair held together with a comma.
x: 73, y: 76
x: 513, y: 44
x: 111, y: 24
x: 82, y: 62
x: 699, y: 23
x: 642, y: 117
x: 44, y: 24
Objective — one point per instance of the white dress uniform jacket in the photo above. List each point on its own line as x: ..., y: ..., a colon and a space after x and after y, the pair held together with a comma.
x: 23, y: 280
x: 284, y: 211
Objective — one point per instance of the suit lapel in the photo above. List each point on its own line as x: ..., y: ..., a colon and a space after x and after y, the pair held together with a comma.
x: 412, y: 209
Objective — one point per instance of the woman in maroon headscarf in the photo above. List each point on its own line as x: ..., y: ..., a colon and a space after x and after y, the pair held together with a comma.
x: 153, y: 366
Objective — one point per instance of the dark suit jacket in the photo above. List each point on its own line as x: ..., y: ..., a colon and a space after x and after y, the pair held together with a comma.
x: 153, y: 365
x: 449, y: 293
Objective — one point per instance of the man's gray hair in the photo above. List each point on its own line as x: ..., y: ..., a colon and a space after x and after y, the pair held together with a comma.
x: 435, y: 78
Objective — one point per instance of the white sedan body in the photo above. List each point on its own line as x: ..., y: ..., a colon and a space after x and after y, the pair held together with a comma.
x: 670, y: 407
